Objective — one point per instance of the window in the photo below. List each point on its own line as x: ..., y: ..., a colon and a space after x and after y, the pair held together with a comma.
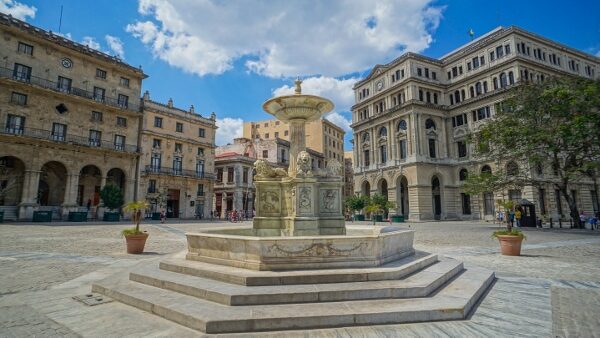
x: 156, y: 143
x: 460, y: 70
x: 177, y: 165
x: 383, y: 153
x: 158, y: 122
x: 478, y: 88
x: 179, y: 127
x: 462, y: 148
x: 419, y: 73
x: 245, y: 175
x: 428, y: 95
x: 178, y: 148
x: 200, y: 191
x: 499, y: 51
x: 22, y: 72
x: 449, y: 75
x: 201, y: 132
x: 429, y: 124
x: 481, y: 113
x: 512, y: 169
x: 121, y: 121
x: 230, y: 174
x: 25, y: 48
x: 266, y: 125
x: 511, y: 78
x: 64, y: 84
x: 488, y: 203
x: 276, y: 123
x: 285, y: 133
x: 558, y: 201
x: 59, y: 132
x: 266, y: 135
x: 265, y: 154
x: 95, y: 137
x: 219, y: 174
x: 466, y: 203
x: 435, y: 98
x: 431, y: 148
x: 420, y: 95
x: 124, y: 82
x: 199, y: 168
x: 151, y: 186
x: 482, y: 60
x: 276, y: 134
x: 366, y: 158
x: 402, y: 125
x: 485, y: 86
x: 434, y: 75
x: 155, y: 162
x: 476, y: 62
x: 99, y: 94
x: 123, y: 101
x: 459, y: 120
x: 503, y: 82
x: 402, y: 149
x: 492, y: 56
x: 469, y: 66
x: 383, y: 132
x: 200, y: 152
x: 18, y: 98
x: 507, y: 49
x: 100, y: 73
x: 454, y: 71
x: 463, y: 174
x: 119, y: 142
x: 96, y: 116
x: 15, y: 124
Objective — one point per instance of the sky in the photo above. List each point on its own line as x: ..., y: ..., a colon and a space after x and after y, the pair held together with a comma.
x: 228, y: 57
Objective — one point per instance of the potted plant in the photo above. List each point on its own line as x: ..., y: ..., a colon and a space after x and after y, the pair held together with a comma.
x: 112, y: 199
x: 136, y: 239
x: 377, y: 205
x: 356, y: 204
x: 510, y: 239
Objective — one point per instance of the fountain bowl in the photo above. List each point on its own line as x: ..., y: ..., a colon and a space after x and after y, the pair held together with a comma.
x: 298, y: 107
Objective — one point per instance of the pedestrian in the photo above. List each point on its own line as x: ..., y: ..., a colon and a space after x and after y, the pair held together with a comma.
x: 582, y: 218
x: 163, y: 216
x: 511, y: 218
x: 518, y: 217
x: 500, y: 216
x: 89, y: 204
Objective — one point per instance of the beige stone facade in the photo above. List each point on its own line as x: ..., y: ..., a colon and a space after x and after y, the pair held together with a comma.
x: 177, y: 160
x: 70, y: 123
x: 321, y: 135
x: 348, y: 174
x: 412, y: 116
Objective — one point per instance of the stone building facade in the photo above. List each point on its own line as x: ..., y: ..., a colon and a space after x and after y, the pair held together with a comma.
x: 71, y: 117
x: 177, y: 160
x: 322, y: 136
x: 412, y: 116
x: 348, y: 174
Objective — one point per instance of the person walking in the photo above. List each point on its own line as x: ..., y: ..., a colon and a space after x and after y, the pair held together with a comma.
x: 518, y: 217
x: 511, y: 218
x: 163, y: 216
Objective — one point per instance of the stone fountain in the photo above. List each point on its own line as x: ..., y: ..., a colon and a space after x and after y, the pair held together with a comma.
x: 298, y: 266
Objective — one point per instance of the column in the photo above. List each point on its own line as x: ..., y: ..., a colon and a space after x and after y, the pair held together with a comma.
x: 31, y: 181
x: 373, y: 146
x: 297, y: 143
x: 392, y: 142
x: 71, y: 190
x: 102, y: 182
x: 223, y: 204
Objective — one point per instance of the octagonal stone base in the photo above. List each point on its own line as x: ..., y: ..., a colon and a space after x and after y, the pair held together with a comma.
x: 362, y: 246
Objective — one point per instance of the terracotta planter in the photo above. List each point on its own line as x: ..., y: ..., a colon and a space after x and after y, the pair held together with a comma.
x: 510, y: 245
x: 136, y: 243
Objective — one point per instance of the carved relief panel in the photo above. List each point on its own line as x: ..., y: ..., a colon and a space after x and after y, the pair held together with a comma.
x: 329, y: 201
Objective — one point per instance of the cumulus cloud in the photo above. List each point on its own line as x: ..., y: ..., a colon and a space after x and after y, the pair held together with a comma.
x: 337, y: 90
x: 341, y: 121
x: 229, y: 128
x: 17, y: 9
x: 116, y: 45
x: 284, y: 38
x: 91, y: 42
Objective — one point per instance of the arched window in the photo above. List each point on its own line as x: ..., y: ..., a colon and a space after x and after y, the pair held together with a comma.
x: 366, y: 137
x: 463, y: 174
x: 478, y: 88
x: 435, y: 98
x: 495, y: 83
x: 485, y: 87
x: 472, y: 91
x: 429, y: 124
x: 383, y: 132
x: 451, y: 99
x: 462, y: 94
x: 512, y: 168
x: 511, y: 78
x: 503, y: 82
x: 402, y: 125
x: 457, y: 96
x: 486, y: 169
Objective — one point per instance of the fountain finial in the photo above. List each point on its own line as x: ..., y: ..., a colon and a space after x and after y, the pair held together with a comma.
x: 298, y: 82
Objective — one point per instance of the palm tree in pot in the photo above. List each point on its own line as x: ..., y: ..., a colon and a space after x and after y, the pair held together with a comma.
x: 136, y: 239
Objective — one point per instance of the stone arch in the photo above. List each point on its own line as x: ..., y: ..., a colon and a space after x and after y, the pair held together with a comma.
x: 382, y: 187
x: 52, y: 184
x: 12, y: 174
x: 486, y: 169
x: 117, y: 177
x: 402, y: 196
x: 463, y: 174
x: 365, y: 188
x: 436, y: 196
x: 88, y: 189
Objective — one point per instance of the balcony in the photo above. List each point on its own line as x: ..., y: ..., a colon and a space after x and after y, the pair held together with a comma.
x: 55, y: 86
x: 42, y: 134
x: 149, y: 169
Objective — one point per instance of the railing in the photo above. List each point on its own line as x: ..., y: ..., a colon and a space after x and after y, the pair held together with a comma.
x: 43, y: 134
x: 149, y: 169
x: 47, y: 84
x: 200, y: 194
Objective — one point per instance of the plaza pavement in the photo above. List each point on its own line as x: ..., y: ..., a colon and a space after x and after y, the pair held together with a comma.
x: 553, y: 289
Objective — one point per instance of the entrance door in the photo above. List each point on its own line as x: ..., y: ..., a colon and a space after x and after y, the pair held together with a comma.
x: 200, y: 210
x: 437, y: 198
x: 173, y: 204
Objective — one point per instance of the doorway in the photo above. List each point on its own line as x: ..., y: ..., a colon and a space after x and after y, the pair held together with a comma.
x: 173, y: 203
x: 437, y: 198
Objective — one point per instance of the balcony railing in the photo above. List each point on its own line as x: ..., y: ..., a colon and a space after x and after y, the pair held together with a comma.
x: 48, y: 135
x: 149, y: 169
x: 47, y: 84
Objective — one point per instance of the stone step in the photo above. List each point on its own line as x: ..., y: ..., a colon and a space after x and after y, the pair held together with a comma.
x: 453, y: 302
x: 393, y: 270
x: 419, y: 284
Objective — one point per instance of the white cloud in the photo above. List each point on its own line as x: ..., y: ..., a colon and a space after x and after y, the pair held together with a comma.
x: 338, y: 91
x: 91, y: 42
x: 116, y: 45
x: 284, y: 38
x: 340, y: 121
x: 229, y: 128
x: 17, y: 9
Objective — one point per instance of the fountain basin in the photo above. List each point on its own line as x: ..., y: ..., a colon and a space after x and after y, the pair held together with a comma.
x: 362, y: 246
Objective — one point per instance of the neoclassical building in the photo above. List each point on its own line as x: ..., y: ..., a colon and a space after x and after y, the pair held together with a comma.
x: 412, y: 116
x: 177, y: 160
x: 70, y: 115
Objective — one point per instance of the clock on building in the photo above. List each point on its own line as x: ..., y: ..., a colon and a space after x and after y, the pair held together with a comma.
x: 380, y: 85
x: 66, y: 62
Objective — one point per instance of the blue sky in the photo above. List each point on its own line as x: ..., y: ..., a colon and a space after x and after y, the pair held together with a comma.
x: 230, y: 56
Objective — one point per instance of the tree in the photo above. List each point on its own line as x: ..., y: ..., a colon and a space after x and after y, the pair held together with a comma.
x: 378, y: 204
x: 136, y: 208
x: 552, y: 125
x: 356, y: 202
x: 112, y: 196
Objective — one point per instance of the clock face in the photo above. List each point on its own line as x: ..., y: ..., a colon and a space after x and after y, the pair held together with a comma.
x: 379, y: 85
x: 67, y: 63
